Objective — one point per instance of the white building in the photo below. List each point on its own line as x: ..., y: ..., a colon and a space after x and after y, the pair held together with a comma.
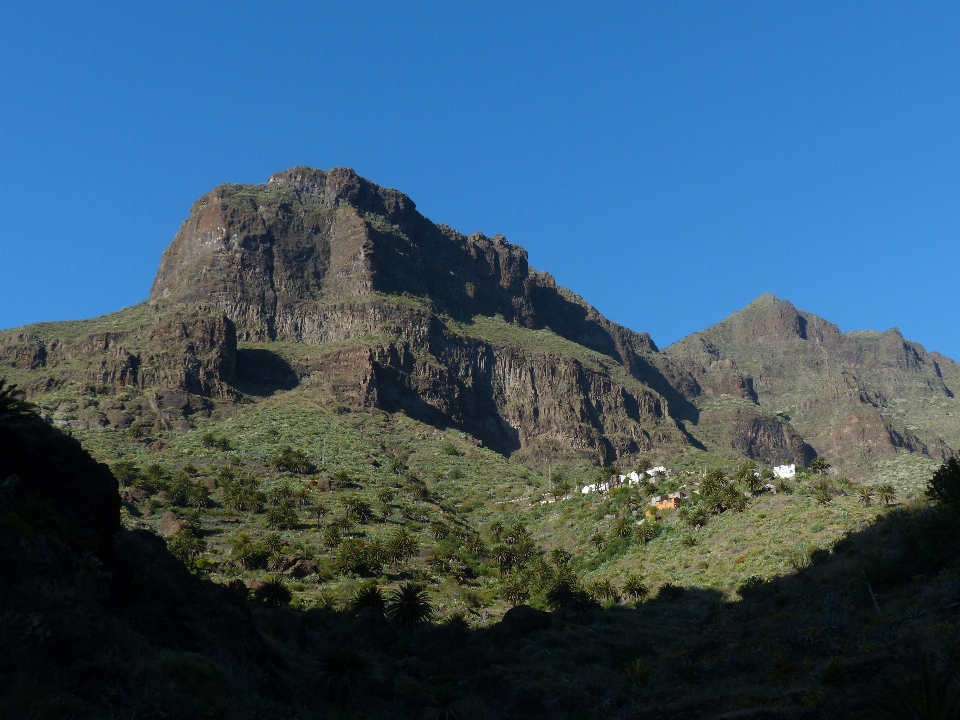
x: 785, y: 471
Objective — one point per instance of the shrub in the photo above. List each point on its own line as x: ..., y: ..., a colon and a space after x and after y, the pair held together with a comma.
x: 153, y: 478
x: 751, y: 585
x: 944, y: 487
x: 834, y: 673
x: 450, y: 449
x: 783, y: 487
x: 290, y: 460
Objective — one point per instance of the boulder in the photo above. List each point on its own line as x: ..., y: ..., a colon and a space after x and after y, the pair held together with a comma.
x: 520, y: 621
x: 170, y: 524
x: 302, y: 568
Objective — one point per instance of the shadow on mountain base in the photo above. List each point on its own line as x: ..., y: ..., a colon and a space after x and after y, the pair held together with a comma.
x: 262, y: 372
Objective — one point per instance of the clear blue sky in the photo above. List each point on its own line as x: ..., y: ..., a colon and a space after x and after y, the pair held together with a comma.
x: 668, y: 161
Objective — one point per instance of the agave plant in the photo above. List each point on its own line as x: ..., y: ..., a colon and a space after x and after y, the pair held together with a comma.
x: 637, y: 671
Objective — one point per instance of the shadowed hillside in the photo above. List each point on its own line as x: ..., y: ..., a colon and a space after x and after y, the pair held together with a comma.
x: 99, y: 623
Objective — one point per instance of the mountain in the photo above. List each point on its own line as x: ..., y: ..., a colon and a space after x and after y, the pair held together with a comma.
x: 328, y: 282
x: 856, y: 397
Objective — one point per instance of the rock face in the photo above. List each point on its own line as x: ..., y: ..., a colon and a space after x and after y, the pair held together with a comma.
x: 319, y: 257
x: 854, y: 397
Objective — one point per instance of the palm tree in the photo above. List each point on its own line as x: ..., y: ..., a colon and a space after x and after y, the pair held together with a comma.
x: 342, y: 672
x: 402, y: 546
x: 562, y: 594
x: 319, y: 511
x: 865, y: 493
x: 368, y: 595
x: 886, y: 493
x: 603, y: 589
x: 819, y: 465
x: 496, y: 530
x: 560, y: 557
x: 14, y: 410
x: 753, y: 481
x: 409, y: 605
x: 185, y: 546
x: 646, y: 531
x: 443, y: 707
x: 713, y: 483
x: 302, y: 496
x: 476, y: 546
x: 745, y: 471
x: 633, y: 587
x: 927, y: 695
x: 273, y: 591
x: 516, y: 591
x: 598, y: 541
x: 243, y: 550
x: 331, y: 536
x: 503, y: 554
x: 622, y: 529
x: 439, y: 530
x: 822, y: 494
x: 356, y: 508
